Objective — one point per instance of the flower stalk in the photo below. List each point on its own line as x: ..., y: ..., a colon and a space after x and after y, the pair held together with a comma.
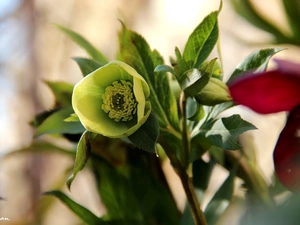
x: 187, y: 184
x: 185, y: 134
x: 180, y: 166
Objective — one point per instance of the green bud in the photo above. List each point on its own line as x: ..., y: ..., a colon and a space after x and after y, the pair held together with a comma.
x: 215, y: 92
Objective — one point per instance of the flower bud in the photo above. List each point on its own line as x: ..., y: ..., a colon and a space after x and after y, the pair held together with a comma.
x: 215, y: 92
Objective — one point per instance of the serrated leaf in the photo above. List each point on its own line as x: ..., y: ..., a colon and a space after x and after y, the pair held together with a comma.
x: 255, y: 62
x: 83, y: 213
x: 82, y: 42
x: 202, y: 40
x: 82, y: 156
x: 87, y: 65
x: 224, y: 132
x: 146, y: 136
x: 220, y: 200
x: 55, y: 124
x: 217, y: 109
x: 62, y: 92
x: 135, y: 51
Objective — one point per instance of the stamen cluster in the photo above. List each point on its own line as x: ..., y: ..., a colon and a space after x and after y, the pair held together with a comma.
x: 119, y: 101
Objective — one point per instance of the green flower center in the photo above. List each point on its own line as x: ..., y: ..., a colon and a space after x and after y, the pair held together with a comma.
x: 119, y: 101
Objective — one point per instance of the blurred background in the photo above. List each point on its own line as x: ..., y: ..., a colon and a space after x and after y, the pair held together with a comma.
x: 33, y: 50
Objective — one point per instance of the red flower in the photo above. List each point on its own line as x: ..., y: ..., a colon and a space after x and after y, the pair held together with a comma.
x: 287, y: 152
x: 270, y: 92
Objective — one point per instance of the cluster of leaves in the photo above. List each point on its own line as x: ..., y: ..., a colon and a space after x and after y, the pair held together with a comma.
x: 130, y: 182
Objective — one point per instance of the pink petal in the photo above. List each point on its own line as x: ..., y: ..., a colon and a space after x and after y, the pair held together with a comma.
x: 268, y: 92
x: 287, y: 152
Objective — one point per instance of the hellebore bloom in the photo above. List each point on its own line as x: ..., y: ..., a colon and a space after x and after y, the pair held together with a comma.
x: 111, y: 101
x: 270, y: 92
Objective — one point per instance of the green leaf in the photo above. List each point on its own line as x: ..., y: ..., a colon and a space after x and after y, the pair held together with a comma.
x: 224, y: 132
x: 72, y: 118
x: 217, y: 153
x: 150, y: 189
x: 256, y: 61
x: 83, y: 213
x: 87, y: 65
x: 246, y: 9
x: 165, y: 68
x: 62, y: 92
x: 217, y: 109
x: 216, y: 70
x: 55, y: 124
x: 199, y: 145
x: 220, y: 200
x: 116, y: 192
x: 41, y: 147
x: 194, y: 80
x: 135, y: 51
x: 182, y: 64
x: 173, y: 142
x: 292, y: 11
x: 146, y: 136
x: 201, y: 173
x: 82, y: 156
x: 202, y: 40
x: 82, y: 42
x: 187, y: 216
x: 195, y: 111
x: 40, y: 117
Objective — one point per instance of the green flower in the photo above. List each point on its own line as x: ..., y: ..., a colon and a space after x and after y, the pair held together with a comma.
x: 111, y: 101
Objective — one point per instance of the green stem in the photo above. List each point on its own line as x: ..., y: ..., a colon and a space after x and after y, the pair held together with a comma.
x: 187, y: 186
x: 220, y: 57
x: 185, y: 133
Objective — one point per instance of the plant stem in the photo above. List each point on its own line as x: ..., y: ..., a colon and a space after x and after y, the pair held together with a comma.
x: 192, y: 199
x: 185, y: 134
x: 187, y: 185
x: 180, y: 163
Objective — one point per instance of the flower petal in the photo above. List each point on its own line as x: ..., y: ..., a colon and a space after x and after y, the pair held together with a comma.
x: 287, y: 152
x: 267, y: 92
x: 134, y: 74
x: 87, y: 100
